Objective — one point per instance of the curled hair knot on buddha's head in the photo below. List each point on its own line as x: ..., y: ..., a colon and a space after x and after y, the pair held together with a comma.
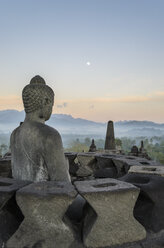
x: 35, y: 93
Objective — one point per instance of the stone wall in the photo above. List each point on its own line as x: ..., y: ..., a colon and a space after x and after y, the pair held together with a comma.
x: 97, y: 165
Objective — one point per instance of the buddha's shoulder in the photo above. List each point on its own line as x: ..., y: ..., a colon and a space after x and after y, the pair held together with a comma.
x: 48, y: 134
x: 49, y: 131
x: 14, y: 132
x: 40, y: 129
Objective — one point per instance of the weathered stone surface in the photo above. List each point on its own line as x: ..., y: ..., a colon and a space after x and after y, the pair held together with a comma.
x: 106, y: 173
x: 110, y: 140
x: 149, y: 209
x: 86, y: 164
x: 152, y: 170
x: 109, y: 217
x: 44, y: 205
x: 84, y: 171
x: 7, y: 155
x: 76, y: 209
x: 8, y: 187
x: 127, y: 245
x: 105, y: 167
x: 73, y: 167
x: 10, y: 214
x: 104, y: 162
x: 124, y: 163
x: 121, y: 165
x: 153, y: 240
x: 5, y: 167
x: 127, y: 159
x: 130, y: 160
x: 37, y: 150
x: 75, y: 213
x: 86, y: 159
x: 108, y: 165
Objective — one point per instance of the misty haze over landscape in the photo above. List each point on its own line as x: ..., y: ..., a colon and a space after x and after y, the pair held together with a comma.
x: 71, y: 128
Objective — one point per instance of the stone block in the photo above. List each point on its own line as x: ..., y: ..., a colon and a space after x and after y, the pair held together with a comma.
x: 44, y: 205
x: 152, y: 170
x: 8, y: 187
x: 106, y: 173
x: 10, y: 214
x: 5, y: 168
x: 149, y: 208
x: 121, y: 165
x: 86, y: 164
x: 104, y: 161
x: 124, y: 163
x: 86, y: 159
x: 73, y: 167
x: 76, y: 209
x: 153, y: 240
x: 84, y: 172
x: 109, y: 217
x: 105, y: 167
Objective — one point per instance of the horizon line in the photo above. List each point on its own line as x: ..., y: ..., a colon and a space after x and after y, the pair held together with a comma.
x: 128, y: 120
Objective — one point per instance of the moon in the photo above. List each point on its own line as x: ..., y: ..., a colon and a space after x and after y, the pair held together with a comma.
x: 88, y: 63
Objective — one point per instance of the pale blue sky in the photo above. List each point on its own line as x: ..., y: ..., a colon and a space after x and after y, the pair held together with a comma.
x: 122, y: 39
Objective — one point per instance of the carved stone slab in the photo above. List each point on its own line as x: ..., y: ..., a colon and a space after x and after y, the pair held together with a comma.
x: 10, y: 214
x: 152, y: 170
x: 109, y: 219
x: 44, y: 205
x: 149, y: 209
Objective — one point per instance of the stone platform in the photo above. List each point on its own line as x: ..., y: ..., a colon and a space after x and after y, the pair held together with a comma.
x: 110, y: 203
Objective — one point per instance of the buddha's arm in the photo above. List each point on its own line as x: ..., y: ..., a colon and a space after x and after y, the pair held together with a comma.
x: 58, y: 167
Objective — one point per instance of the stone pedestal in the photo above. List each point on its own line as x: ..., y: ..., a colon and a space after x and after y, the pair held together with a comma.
x: 44, y: 205
x: 10, y: 214
x: 109, y: 219
x: 149, y: 209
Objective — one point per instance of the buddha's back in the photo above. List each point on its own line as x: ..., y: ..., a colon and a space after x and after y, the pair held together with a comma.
x: 37, y: 151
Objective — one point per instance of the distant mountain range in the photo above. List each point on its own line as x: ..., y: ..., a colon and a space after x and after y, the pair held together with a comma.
x: 67, y: 125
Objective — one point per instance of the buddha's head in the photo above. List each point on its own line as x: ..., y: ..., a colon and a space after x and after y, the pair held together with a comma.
x: 38, y: 98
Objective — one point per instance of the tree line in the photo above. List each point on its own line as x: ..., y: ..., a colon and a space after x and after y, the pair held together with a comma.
x: 154, y: 145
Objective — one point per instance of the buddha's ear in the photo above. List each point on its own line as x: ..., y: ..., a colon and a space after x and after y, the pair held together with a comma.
x: 45, y: 101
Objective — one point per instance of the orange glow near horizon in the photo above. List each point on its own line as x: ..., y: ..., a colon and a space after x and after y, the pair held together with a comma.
x: 149, y: 107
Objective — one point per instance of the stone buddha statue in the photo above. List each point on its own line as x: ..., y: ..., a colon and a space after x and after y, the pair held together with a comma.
x: 37, y: 150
